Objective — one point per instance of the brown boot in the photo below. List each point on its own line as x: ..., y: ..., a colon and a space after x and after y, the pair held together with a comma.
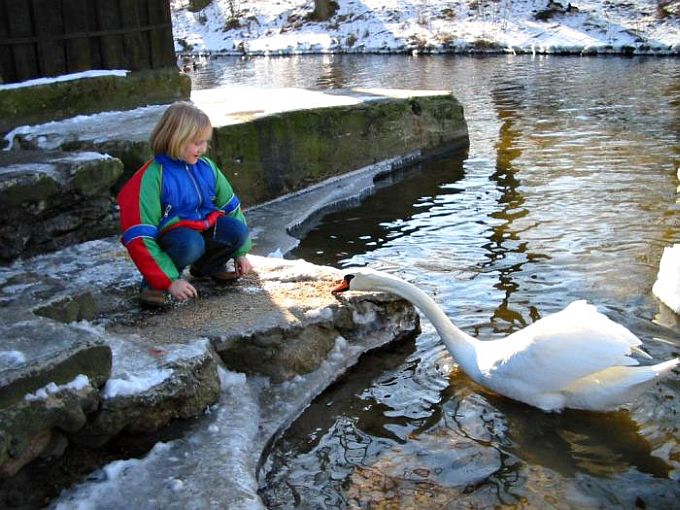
x: 225, y: 276
x: 153, y: 297
x: 221, y: 277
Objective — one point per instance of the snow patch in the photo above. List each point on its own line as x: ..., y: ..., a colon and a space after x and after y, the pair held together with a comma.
x: 321, y: 313
x: 78, y: 383
x: 364, y: 317
x: 65, y: 77
x: 11, y: 359
x: 133, y: 384
x: 229, y: 379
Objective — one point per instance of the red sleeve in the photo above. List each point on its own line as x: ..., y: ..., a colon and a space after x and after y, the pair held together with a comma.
x: 140, y: 213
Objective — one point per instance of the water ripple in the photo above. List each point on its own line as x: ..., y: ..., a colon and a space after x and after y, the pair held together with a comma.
x: 567, y: 192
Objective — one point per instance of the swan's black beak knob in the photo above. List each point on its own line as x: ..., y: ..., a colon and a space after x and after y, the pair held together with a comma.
x: 343, y: 285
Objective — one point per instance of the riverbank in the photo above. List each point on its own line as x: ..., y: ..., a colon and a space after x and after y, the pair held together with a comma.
x: 238, y: 365
x: 81, y: 365
x: 287, y: 27
x: 268, y: 145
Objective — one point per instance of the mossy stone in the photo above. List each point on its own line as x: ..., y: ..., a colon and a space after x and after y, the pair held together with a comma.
x: 62, y: 99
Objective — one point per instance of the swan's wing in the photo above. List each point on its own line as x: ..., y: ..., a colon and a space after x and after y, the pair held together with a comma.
x: 561, y: 348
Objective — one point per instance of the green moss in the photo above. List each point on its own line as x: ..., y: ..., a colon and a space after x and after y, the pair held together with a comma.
x: 31, y: 189
x: 97, y: 176
x: 286, y: 152
x: 60, y: 100
x: 132, y: 154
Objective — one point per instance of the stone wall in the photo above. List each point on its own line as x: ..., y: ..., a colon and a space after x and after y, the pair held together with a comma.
x: 55, y: 199
x: 264, y: 158
x: 62, y: 99
x: 274, y: 155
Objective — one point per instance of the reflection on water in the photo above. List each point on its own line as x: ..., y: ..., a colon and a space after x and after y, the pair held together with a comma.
x: 504, y: 240
x: 382, y: 217
x: 600, y: 444
x: 568, y: 192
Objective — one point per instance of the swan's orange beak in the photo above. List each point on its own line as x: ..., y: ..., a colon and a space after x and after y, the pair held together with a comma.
x: 341, y: 287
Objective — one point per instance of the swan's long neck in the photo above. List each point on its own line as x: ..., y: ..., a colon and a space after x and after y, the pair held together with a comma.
x: 461, y: 345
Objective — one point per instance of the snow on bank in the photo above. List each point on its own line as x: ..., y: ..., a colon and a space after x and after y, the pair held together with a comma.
x: 95, y: 73
x: 256, y: 27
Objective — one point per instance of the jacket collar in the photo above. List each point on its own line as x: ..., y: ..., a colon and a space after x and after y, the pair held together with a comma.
x: 166, y: 160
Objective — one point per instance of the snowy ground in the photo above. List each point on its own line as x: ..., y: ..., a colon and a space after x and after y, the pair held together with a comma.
x: 264, y: 27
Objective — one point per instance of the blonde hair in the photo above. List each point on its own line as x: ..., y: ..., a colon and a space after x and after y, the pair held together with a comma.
x: 180, y: 123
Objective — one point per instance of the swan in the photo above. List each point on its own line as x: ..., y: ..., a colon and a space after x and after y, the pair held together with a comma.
x: 576, y: 358
x: 667, y: 284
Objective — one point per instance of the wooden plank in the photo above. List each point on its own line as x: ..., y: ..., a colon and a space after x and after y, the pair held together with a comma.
x: 153, y: 40
x: 76, y: 21
x: 20, y: 24
x: 161, y: 41
x: 4, y: 22
x: 95, y: 43
x: 111, y: 45
x: 143, y: 12
x: 6, y: 61
x: 49, y: 28
x: 169, y: 57
x: 144, y: 46
x: 25, y: 62
x: 19, y: 18
x: 133, y: 42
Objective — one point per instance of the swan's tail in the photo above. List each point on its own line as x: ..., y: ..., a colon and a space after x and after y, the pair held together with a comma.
x: 615, y: 386
x: 662, y: 368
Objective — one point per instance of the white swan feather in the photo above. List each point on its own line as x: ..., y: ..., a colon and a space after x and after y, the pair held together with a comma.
x: 667, y: 284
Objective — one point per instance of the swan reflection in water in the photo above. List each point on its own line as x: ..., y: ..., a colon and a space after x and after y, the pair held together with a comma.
x: 573, y: 441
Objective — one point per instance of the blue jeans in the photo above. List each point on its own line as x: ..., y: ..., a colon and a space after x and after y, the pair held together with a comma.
x: 208, y: 251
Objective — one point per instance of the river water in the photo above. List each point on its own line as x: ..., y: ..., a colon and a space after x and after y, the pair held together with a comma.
x: 568, y: 191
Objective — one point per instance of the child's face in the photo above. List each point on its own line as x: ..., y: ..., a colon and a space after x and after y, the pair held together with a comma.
x: 196, y: 147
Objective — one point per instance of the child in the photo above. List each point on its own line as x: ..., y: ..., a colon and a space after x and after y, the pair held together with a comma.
x: 179, y: 210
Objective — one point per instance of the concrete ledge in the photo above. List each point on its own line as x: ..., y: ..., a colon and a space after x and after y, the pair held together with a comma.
x: 272, y: 155
x: 62, y: 99
x: 270, y: 142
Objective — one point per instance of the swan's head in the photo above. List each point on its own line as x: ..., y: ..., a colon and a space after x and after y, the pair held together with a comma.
x: 366, y: 279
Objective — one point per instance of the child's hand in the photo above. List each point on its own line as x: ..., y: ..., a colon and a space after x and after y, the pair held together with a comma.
x: 182, y: 290
x: 243, y: 265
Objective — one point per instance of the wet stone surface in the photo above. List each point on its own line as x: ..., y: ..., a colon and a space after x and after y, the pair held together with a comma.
x: 278, y: 324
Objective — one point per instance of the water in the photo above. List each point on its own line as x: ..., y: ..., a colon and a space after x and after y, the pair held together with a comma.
x: 568, y: 191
